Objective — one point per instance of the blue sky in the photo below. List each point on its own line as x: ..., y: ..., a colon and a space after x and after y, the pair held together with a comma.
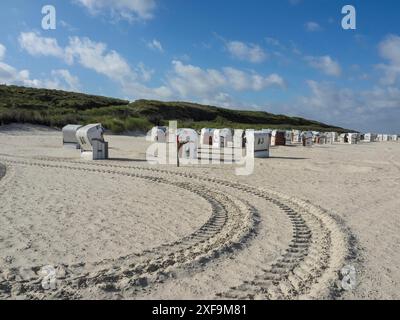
x: 284, y: 56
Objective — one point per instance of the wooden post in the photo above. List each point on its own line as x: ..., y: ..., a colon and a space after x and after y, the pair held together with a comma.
x: 177, y: 151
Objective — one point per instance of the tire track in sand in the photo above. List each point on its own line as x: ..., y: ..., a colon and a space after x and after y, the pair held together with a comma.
x: 230, y: 225
x: 319, y: 248
x: 3, y: 171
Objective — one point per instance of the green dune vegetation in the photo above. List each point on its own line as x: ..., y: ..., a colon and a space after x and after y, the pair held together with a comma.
x: 55, y: 108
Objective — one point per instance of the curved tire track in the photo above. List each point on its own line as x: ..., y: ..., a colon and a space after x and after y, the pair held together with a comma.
x: 308, y: 268
x: 230, y: 225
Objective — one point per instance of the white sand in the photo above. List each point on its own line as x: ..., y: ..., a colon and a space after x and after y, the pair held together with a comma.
x: 115, y: 229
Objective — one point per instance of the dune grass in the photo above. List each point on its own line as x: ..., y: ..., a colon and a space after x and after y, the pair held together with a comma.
x: 55, y: 108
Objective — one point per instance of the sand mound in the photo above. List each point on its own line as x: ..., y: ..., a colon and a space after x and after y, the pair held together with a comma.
x: 25, y: 129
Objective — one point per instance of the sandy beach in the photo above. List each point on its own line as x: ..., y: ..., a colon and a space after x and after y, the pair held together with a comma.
x: 124, y: 229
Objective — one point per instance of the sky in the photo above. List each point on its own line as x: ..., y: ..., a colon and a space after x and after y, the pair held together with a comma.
x: 288, y: 57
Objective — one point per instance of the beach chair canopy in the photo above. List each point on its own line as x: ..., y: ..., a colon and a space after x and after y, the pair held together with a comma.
x: 222, y: 137
x: 87, y: 134
x: 69, y: 133
x: 262, y: 141
x: 187, y: 135
x: 307, y: 134
x: 158, y: 134
x: 206, y: 136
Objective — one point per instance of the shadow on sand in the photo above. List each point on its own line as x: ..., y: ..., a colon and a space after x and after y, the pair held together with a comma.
x: 289, y: 158
x: 127, y: 160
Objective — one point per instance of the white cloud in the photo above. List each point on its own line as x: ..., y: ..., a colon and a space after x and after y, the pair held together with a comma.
x: 67, y: 26
x: 138, y: 90
x: 241, y: 80
x: 90, y: 54
x: 325, y: 64
x: 312, y: 26
x: 95, y: 56
x: 192, y: 81
x: 247, y: 52
x: 10, y: 75
x: 155, y: 45
x: 189, y: 80
x: 37, y: 45
x: 389, y: 49
x: 62, y: 78
x: 144, y: 73
x: 131, y: 10
x: 184, y: 81
x: 273, y: 42
x: 382, y: 98
x: 327, y: 98
x: 2, y: 51
x: 376, y: 108
x: 294, y: 48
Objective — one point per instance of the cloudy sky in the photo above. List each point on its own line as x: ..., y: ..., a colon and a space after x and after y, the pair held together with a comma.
x: 285, y: 56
